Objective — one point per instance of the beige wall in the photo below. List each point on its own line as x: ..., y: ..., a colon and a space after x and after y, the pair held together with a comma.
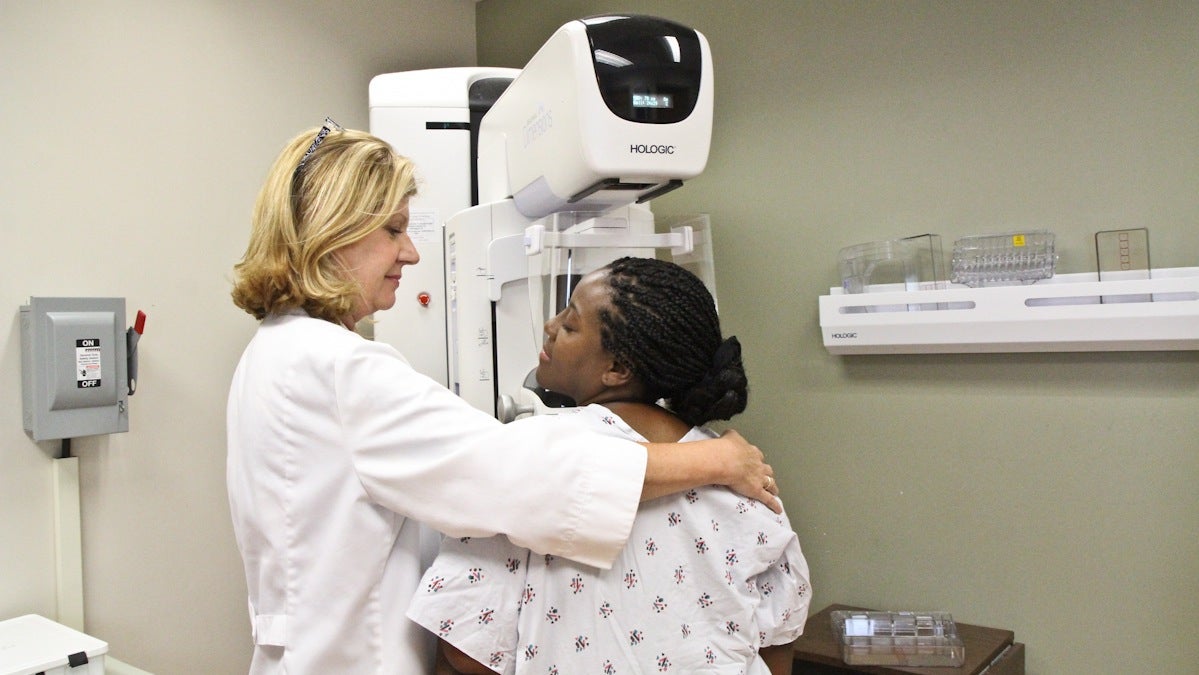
x: 135, y: 136
x: 1052, y: 494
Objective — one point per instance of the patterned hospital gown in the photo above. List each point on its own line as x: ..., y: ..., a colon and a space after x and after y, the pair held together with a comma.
x: 706, y: 579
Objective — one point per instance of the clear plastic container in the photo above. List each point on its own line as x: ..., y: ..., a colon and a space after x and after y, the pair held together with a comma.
x: 1009, y: 259
x: 898, y: 638
x: 910, y: 263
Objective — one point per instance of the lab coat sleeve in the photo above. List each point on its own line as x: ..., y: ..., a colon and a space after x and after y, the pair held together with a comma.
x: 420, y: 451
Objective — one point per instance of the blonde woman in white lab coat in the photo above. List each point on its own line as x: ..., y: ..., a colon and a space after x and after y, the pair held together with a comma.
x: 337, y: 447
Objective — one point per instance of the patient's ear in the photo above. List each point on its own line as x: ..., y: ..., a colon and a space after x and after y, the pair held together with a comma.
x: 617, y: 375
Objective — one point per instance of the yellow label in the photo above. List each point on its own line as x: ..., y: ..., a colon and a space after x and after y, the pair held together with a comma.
x: 1017, y: 240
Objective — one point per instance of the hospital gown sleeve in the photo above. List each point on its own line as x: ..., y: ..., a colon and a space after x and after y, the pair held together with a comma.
x: 424, y: 453
x: 471, y: 597
x: 785, y: 595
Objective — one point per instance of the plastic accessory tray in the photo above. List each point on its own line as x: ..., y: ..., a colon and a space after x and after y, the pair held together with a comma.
x: 1003, y: 259
x: 898, y: 638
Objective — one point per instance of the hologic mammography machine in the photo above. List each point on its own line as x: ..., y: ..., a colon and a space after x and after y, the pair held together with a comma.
x: 531, y: 178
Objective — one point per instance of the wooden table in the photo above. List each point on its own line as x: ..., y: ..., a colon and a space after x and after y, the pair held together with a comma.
x: 989, y: 650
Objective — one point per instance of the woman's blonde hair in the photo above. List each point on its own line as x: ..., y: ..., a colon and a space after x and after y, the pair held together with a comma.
x: 348, y: 187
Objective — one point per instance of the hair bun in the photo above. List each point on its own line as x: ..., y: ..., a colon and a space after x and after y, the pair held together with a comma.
x: 727, y: 353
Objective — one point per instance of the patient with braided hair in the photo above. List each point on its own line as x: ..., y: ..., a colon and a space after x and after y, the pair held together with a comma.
x: 708, y: 581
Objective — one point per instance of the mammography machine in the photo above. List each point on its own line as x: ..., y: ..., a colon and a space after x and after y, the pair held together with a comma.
x: 558, y: 161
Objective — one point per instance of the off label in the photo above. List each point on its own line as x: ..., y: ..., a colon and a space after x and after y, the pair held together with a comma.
x: 87, y: 363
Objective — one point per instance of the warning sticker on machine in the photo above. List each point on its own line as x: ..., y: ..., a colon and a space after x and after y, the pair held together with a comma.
x: 87, y: 363
x: 422, y: 226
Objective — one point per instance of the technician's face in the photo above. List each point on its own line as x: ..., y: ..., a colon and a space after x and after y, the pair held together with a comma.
x: 573, y: 360
x: 376, y: 261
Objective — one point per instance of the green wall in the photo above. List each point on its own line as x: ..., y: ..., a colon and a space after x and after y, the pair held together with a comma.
x: 1051, y: 494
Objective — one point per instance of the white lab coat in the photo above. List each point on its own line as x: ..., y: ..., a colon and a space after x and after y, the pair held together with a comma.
x: 337, y: 446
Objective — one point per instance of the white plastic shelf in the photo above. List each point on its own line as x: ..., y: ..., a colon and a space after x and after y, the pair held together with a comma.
x: 1067, y: 313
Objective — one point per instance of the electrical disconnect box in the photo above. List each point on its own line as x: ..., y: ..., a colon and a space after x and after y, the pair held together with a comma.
x: 74, y: 367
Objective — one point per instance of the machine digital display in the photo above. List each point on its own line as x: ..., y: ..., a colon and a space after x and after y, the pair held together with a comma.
x: 653, y: 101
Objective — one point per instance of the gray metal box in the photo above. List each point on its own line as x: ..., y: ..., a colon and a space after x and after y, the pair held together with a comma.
x: 74, y: 367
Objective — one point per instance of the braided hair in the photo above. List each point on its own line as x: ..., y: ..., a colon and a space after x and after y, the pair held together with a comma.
x: 663, y: 327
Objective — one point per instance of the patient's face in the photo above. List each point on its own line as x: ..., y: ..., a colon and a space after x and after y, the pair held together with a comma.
x: 573, y: 360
